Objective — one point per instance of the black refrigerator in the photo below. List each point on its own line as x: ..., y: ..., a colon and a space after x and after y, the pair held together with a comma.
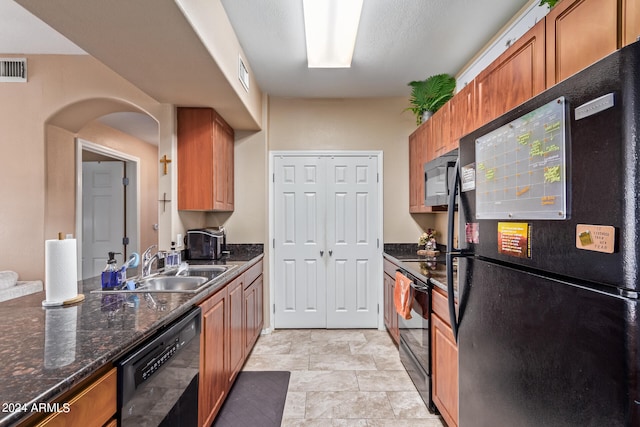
x: 549, y: 224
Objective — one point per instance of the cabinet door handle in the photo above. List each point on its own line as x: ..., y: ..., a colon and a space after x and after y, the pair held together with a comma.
x: 330, y: 252
x: 321, y: 253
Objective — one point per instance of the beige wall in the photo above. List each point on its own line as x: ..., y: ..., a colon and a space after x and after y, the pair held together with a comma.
x: 54, y: 82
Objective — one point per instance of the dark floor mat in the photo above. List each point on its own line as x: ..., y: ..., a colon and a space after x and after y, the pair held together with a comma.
x: 256, y: 399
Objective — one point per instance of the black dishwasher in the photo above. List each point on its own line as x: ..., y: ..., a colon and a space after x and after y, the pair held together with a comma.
x: 158, y: 381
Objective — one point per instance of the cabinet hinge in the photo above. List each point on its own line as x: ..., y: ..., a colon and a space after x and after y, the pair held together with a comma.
x: 274, y: 177
x: 378, y: 308
x: 378, y: 243
x: 125, y: 181
x: 377, y: 176
x: 274, y: 243
x: 125, y: 241
x: 274, y: 309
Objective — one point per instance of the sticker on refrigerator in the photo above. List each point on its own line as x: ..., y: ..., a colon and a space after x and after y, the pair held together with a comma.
x: 514, y: 239
x: 472, y: 233
x: 468, y: 177
x: 597, y: 238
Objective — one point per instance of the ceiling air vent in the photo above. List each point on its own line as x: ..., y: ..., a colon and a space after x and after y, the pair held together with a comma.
x: 13, y: 69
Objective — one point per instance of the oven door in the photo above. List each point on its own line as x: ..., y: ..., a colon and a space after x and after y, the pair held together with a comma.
x: 415, y: 338
x: 158, y: 382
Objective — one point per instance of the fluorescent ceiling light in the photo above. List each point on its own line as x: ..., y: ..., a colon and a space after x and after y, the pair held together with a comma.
x: 331, y: 27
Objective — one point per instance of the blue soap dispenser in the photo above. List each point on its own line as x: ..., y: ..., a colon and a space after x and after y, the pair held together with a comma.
x: 110, y: 273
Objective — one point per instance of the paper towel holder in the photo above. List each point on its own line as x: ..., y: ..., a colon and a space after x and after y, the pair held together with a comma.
x: 66, y: 299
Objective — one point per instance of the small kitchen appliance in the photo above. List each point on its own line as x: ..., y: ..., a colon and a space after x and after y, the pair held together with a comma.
x: 437, y: 175
x: 205, y: 243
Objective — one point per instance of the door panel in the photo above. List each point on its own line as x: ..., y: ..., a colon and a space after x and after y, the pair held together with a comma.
x: 352, y: 242
x: 299, y: 230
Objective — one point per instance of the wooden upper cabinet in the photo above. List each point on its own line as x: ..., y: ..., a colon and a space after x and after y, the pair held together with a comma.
x: 420, y: 151
x: 414, y: 183
x: 463, y: 112
x: 514, y: 77
x: 440, y: 141
x: 579, y: 33
x: 630, y: 21
x: 205, y: 161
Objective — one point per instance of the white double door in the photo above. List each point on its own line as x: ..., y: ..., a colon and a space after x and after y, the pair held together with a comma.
x: 326, y: 241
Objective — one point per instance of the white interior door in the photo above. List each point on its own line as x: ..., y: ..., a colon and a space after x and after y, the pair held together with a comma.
x: 300, y: 232
x: 325, y: 232
x: 352, y: 238
x: 102, y: 214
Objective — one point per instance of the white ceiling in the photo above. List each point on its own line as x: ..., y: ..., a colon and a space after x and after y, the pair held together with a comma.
x: 398, y: 41
x: 147, y: 41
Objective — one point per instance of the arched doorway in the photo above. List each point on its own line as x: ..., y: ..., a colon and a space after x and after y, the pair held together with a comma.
x: 80, y: 130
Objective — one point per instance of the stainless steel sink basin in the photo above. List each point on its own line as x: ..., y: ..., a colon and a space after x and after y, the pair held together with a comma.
x: 190, y: 280
x: 207, y: 271
x: 172, y: 284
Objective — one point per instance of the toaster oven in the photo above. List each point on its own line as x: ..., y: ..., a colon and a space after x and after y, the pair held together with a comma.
x: 204, y: 244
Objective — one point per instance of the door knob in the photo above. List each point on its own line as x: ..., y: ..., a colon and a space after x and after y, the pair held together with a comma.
x: 321, y: 253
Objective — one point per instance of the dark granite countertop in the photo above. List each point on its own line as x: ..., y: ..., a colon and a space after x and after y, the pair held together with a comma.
x: 432, y: 269
x: 45, y: 352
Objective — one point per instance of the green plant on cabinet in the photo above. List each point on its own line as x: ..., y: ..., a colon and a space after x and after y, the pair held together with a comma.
x: 431, y: 94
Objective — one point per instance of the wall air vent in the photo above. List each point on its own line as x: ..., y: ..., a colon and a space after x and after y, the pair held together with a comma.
x: 13, y: 69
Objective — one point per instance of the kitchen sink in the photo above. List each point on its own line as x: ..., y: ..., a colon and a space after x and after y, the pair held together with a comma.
x: 192, y: 279
x: 172, y: 284
x: 207, y: 271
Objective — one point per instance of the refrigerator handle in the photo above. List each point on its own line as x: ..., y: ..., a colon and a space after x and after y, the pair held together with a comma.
x: 451, y: 251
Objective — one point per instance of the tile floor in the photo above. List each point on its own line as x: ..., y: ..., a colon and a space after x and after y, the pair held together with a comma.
x: 342, y: 378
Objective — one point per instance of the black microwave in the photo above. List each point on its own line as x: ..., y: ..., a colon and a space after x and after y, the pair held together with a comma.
x: 437, y: 178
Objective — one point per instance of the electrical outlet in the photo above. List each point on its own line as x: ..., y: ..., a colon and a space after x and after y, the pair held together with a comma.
x: 179, y: 240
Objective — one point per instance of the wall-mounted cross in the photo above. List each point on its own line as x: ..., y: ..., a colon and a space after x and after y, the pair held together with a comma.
x: 165, y: 161
x: 164, y: 201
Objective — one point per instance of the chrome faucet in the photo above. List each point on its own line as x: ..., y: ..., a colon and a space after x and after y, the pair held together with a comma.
x: 148, y: 259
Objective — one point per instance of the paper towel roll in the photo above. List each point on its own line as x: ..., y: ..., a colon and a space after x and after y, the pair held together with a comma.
x: 60, y: 269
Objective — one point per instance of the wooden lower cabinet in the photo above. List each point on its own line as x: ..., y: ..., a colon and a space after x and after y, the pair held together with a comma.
x: 93, y: 403
x: 444, y: 359
x: 228, y: 317
x: 236, y: 324
x: 253, y: 301
x: 390, y: 314
x: 213, y: 355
